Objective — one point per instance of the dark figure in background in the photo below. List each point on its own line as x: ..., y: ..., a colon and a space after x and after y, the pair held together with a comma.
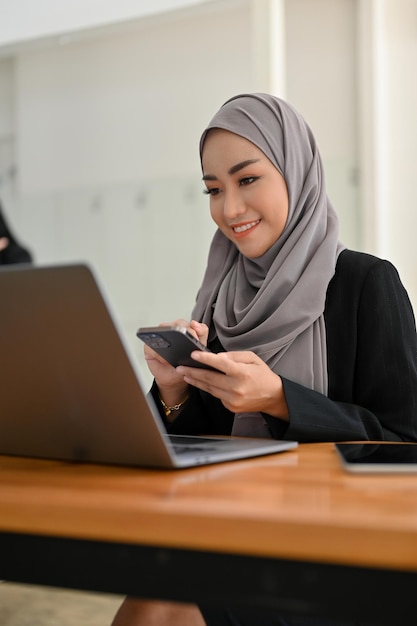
x: 10, y: 250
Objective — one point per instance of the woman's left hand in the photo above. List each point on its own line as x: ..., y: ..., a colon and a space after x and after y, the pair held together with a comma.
x: 244, y: 382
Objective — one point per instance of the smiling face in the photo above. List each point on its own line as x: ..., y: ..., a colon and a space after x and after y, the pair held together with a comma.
x: 248, y: 195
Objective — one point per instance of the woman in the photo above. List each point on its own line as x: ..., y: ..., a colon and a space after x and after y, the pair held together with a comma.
x: 315, y: 342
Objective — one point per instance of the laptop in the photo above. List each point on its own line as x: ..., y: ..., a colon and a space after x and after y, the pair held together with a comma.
x: 70, y: 386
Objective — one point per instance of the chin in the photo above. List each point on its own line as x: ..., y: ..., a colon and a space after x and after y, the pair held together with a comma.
x: 255, y: 254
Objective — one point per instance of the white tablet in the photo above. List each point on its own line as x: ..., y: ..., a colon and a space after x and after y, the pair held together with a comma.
x: 379, y: 457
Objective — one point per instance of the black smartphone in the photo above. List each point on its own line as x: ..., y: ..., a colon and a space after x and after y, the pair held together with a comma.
x: 173, y: 343
x: 378, y: 457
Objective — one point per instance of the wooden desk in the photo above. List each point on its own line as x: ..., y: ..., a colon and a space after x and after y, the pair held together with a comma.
x: 292, y: 531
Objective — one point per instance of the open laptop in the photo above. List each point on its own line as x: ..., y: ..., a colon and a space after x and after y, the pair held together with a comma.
x: 71, y: 389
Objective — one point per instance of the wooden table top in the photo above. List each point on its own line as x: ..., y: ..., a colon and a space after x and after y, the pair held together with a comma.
x: 297, y: 505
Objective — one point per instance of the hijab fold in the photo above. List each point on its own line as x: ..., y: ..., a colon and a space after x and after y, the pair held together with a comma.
x: 273, y: 305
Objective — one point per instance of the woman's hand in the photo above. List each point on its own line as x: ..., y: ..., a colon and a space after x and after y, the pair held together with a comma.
x: 245, y: 385
x: 172, y: 387
x: 4, y: 242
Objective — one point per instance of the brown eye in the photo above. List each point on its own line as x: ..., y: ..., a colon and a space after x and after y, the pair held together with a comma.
x: 212, y: 192
x: 248, y: 180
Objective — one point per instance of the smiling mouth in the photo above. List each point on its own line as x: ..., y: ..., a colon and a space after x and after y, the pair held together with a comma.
x: 243, y: 227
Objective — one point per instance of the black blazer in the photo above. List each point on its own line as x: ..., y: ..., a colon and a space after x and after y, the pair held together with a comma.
x: 372, y: 367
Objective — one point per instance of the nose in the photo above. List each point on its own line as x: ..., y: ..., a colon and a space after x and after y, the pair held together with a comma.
x: 233, y: 205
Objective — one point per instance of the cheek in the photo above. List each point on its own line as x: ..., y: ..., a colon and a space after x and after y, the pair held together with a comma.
x: 282, y: 209
x: 277, y: 219
x: 284, y: 215
x: 282, y: 222
x: 216, y: 213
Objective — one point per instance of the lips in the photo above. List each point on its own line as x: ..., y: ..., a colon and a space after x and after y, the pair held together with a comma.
x: 242, y: 228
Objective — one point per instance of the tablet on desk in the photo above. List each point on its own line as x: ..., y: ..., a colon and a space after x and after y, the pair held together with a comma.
x: 378, y: 457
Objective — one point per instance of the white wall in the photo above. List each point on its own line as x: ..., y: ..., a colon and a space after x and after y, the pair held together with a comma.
x: 321, y: 58
x: 23, y: 20
x: 6, y: 98
x: 107, y: 137
x: 351, y: 68
x: 7, y: 126
x: 400, y: 95
x: 388, y: 131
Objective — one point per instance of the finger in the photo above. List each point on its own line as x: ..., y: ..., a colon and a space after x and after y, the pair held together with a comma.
x: 201, y: 330
x: 179, y: 322
x: 226, y: 362
x: 242, y: 357
x: 216, y: 361
x: 148, y: 352
x: 182, y: 323
x: 151, y: 355
x: 4, y: 242
x: 212, y: 382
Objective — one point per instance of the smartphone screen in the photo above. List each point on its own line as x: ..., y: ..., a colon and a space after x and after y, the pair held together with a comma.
x: 378, y: 457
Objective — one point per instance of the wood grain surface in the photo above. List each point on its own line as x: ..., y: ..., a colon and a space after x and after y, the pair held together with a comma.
x: 297, y: 505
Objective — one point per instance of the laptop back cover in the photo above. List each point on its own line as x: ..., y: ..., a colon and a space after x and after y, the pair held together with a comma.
x: 68, y: 387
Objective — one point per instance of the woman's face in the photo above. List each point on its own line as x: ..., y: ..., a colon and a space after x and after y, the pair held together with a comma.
x: 248, y: 195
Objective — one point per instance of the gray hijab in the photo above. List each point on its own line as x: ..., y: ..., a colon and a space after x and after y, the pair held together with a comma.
x: 273, y: 305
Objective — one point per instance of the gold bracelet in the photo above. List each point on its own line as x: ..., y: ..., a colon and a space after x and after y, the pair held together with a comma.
x: 175, y: 407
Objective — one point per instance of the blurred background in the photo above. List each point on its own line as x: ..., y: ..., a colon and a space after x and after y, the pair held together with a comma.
x: 102, y: 103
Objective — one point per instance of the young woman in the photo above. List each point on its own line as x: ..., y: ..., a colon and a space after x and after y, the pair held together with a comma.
x: 314, y: 342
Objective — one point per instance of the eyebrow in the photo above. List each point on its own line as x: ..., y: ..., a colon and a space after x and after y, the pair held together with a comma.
x: 234, y: 169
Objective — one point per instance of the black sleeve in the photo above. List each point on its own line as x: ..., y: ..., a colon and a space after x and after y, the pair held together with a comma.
x: 372, y: 363
x: 202, y: 415
x: 14, y: 253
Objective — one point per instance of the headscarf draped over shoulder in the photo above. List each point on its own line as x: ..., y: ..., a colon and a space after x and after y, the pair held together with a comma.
x: 273, y: 305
